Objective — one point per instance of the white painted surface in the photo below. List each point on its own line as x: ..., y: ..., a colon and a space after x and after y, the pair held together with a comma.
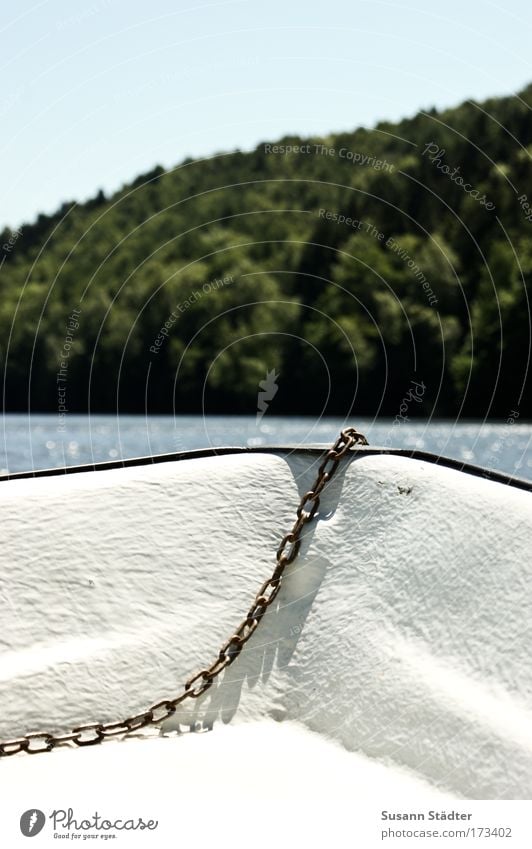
x: 402, y: 632
x: 245, y: 784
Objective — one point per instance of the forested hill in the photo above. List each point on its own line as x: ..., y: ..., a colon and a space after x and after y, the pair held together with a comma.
x: 344, y: 267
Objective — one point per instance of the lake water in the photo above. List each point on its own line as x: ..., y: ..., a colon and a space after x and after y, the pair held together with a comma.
x: 35, y: 442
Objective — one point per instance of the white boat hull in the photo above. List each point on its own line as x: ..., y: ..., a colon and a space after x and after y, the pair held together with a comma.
x: 402, y: 631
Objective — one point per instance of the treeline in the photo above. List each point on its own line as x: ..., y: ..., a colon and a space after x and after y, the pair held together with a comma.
x: 345, y: 266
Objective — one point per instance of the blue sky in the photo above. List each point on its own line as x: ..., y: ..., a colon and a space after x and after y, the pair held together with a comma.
x: 96, y: 92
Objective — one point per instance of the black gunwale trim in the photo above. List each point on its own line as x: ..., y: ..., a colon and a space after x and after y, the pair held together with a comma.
x: 359, y: 451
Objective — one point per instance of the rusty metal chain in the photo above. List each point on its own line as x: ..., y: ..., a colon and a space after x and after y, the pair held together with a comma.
x: 86, y: 735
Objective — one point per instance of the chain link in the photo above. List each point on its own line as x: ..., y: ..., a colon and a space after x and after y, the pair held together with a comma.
x: 198, y: 684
